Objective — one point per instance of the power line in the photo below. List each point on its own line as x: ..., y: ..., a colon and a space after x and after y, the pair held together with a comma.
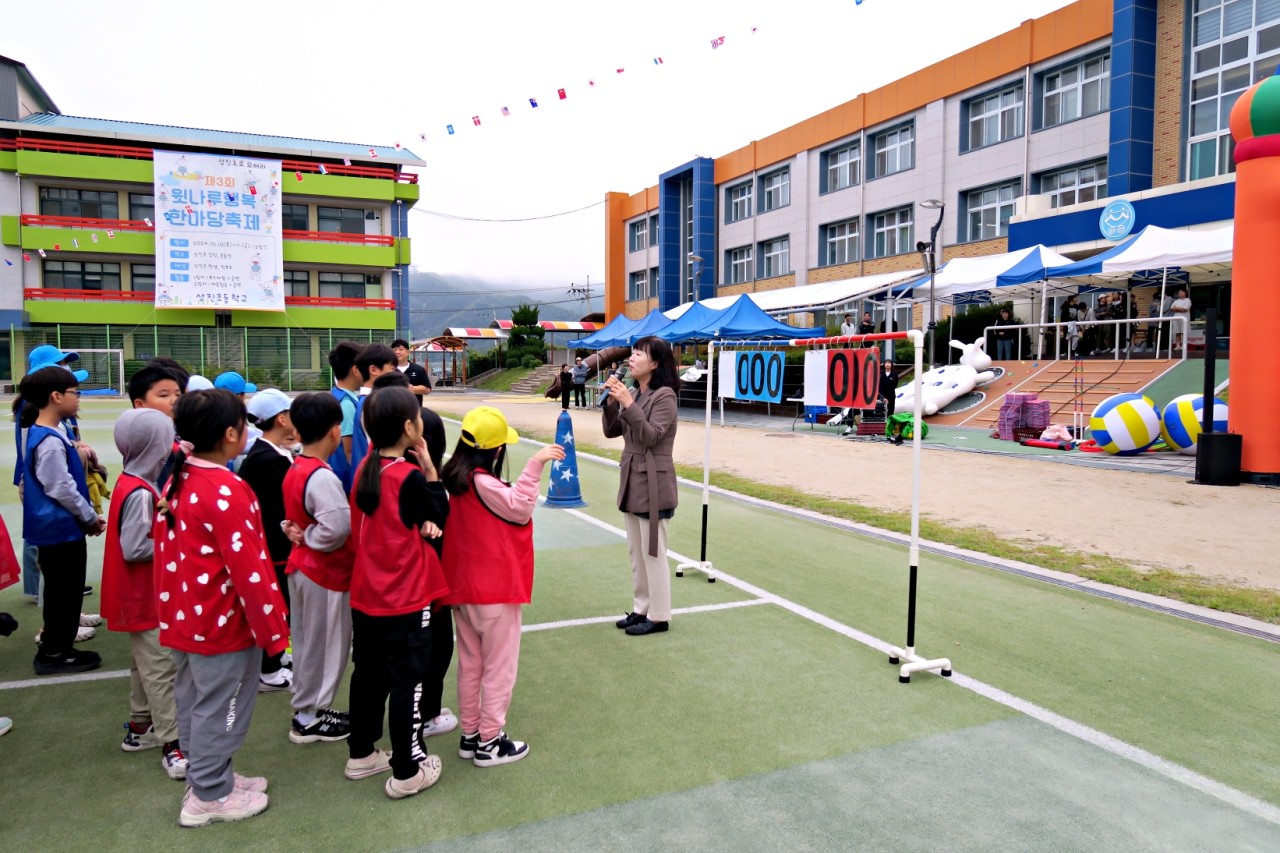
x: 484, y: 308
x: 518, y: 219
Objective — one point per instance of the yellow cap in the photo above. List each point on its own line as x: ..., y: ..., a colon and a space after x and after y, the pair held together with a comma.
x: 485, y: 428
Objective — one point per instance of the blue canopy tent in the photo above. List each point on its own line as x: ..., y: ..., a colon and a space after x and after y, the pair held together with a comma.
x: 743, y: 319
x: 694, y: 318
x: 650, y: 325
x: 616, y: 333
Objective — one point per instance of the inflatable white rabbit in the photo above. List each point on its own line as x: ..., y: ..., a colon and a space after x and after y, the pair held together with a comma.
x: 944, y: 385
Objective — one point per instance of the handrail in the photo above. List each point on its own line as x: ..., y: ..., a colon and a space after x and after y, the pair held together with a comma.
x: 1173, y: 318
x: 8, y: 144
x: 28, y: 143
x: 37, y: 220
x: 339, y: 237
x: 72, y: 294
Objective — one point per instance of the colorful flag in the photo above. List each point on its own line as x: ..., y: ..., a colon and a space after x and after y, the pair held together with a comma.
x: 148, y: 221
x: 8, y: 263
x: 397, y: 146
x: 475, y: 120
x: 657, y: 60
x: 620, y: 70
x: 111, y: 235
x: 533, y: 102
x: 253, y: 190
x: 717, y: 42
x: 422, y: 136
x: 753, y: 30
x: 231, y: 199
x: 75, y: 244
x: 373, y: 153
x: 26, y: 256
x: 561, y: 93
x: 449, y: 127
x: 298, y: 176
x: 57, y: 247
x: 323, y: 170
x: 93, y: 237
x: 346, y: 161
x: 506, y: 112
x: 42, y: 254
x: 591, y: 83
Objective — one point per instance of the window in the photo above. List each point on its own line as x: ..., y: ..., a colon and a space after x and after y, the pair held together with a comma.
x: 995, y: 117
x: 639, y: 235
x: 653, y: 230
x: 775, y: 257
x: 988, y: 210
x: 841, y: 167
x: 347, y: 285
x: 894, y: 151
x: 839, y: 243
x: 293, y: 217
x: 142, y: 206
x: 737, y: 264
x: 142, y: 278
x: 82, y: 204
x: 653, y: 277
x: 297, y: 283
x: 1078, y: 90
x: 74, y: 275
x: 891, y: 233
x: 639, y: 286
x: 737, y: 202
x: 340, y: 220
x: 775, y: 190
x: 1076, y: 184
x: 1235, y: 43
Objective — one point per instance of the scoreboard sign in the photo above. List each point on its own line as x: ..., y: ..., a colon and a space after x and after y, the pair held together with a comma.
x: 842, y: 378
x: 752, y: 376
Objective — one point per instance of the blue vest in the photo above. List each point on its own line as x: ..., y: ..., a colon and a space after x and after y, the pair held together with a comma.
x: 44, y: 520
x: 359, y: 438
x: 338, y: 461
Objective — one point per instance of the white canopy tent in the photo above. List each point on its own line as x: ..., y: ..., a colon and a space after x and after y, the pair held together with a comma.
x: 809, y: 297
x: 1204, y: 255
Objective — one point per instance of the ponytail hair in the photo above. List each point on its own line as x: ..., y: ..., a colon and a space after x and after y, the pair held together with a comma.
x: 202, y: 418
x: 384, y: 414
x: 465, y: 461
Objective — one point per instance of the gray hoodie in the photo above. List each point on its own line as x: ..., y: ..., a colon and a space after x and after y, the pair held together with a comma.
x: 144, y: 438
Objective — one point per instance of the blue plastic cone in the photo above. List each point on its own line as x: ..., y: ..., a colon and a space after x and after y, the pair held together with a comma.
x: 565, y: 491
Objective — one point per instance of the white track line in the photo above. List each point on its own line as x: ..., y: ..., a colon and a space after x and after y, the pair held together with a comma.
x: 64, y: 679
x: 1168, y: 769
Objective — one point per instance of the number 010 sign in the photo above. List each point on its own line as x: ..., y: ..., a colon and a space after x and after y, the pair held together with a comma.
x: 842, y: 378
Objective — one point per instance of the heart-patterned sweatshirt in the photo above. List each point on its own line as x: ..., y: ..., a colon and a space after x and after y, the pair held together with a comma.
x: 216, y: 589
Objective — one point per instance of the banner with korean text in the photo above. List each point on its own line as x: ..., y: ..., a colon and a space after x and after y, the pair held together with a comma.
x: 218, y: 232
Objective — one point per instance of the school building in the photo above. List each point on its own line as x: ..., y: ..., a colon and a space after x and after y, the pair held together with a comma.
x: 1027, y: 138
x: 77, y: 247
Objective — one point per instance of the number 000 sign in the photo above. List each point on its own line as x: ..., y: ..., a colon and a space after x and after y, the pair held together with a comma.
x: 758, y: 376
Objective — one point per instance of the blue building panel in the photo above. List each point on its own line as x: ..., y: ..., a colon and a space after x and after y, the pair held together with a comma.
x: 699, y: 174
x: 1133, y: 96
x: 1177, y: 210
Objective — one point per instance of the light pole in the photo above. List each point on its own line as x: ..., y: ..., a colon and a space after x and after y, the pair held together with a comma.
x: 697, y: 274
x: 929, y: 252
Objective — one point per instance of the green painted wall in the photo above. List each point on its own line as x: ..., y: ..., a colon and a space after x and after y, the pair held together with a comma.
x: 84, y: 166
x: 142, y: 313
x: 125, y: 242
x: 10, y: 230
x: 317, y: 318
x: 338, y: 186
x: 305, y: 251
x: 403, y: 246
x: 409, y: 193
x: 8, y: 161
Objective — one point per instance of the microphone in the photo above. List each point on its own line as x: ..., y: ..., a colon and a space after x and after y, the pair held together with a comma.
x: 604, y: 395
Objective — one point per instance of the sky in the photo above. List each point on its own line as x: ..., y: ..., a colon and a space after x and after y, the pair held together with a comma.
x: 393, y: 70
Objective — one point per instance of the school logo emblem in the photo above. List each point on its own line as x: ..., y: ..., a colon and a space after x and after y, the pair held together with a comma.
x: 1117, y: 220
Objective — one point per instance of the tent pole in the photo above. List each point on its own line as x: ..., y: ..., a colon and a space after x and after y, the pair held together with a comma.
x: 1044, y: 299
x: 1164, y: 282
x: 703, y: 565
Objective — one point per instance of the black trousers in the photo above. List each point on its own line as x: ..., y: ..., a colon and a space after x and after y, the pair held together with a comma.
x: 566, y: 391
x: 392, y: 657
x: 579, y: 395
x: 441, y: 657
x: 63, y: 567
x: 273, y: 663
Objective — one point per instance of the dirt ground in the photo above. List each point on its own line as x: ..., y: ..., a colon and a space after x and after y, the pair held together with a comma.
x: 1147, y: 519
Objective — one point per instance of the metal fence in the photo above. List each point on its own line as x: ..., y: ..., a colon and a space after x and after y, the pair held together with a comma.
x: 291, y: 358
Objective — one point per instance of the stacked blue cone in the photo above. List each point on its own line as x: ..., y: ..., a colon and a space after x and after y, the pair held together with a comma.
x: 565, y: 491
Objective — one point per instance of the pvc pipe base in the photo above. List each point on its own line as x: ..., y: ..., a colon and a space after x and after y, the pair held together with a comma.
x: 917, y: 663
x: 704, y: 566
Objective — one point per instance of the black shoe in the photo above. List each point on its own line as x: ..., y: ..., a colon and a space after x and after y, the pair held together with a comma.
x: 467, y: 746
x: 501, y: 750
x: 60, y: 663
x: 88, y: 590
x: 630, y: 619
x: 647, y: 627
x: 327, y: 729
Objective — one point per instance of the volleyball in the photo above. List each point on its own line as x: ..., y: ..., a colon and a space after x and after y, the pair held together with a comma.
x: 1125, y: 424
x: 1182, y: 419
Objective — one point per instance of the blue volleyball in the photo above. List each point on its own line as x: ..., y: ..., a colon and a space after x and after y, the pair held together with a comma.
x: 1183, y: 417
x: 1125, y: 424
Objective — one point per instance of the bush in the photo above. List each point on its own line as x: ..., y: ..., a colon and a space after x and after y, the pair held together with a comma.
x: 531, y: 361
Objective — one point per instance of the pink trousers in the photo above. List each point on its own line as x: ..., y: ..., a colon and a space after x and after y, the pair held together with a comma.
x: 488, y: 657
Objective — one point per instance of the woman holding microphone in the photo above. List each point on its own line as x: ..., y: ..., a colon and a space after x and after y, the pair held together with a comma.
x: 646, y: 420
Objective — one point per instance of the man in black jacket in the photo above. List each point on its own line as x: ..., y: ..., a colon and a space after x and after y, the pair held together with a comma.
x: 888, y: 387
x: 419, y: 380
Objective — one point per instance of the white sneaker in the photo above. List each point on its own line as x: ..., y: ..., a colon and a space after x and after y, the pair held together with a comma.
x: 444, y: 723
x: 82, y: 634
x: 237, y: 805
x: 428, y: 774
x: 90, y: 620
x: 281, y: 679
x: 174, y: 763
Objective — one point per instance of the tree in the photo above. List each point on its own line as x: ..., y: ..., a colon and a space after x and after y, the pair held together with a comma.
x: 527, y: 345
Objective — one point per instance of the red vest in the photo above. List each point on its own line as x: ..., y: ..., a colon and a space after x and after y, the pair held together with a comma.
x: 128, y: 588
x: 487, y: 559
x: 396, y: 571
x: 329, y: 569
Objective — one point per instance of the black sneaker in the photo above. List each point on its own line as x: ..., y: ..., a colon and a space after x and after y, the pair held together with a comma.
x: 500, y: 750
x: 467, y: 746
x: 629, y: 620
x: 324, y: 729
x: 337, y: 716
x: 60, y: 663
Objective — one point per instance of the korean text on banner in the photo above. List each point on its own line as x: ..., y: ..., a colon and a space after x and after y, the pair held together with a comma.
x: 218, y: 238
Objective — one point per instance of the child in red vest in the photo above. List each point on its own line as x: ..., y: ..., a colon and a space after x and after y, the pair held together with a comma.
x: 144, y: 438
x: 488, y: 562
x: 218, y: 603
x: 318, y: 522
x: 397, y: 504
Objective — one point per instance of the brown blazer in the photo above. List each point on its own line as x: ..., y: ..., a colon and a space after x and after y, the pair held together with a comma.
x: 648, y: 430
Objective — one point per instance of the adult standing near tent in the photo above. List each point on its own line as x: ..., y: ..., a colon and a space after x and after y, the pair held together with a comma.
x: 1004, y: 337
x: 848, y: 327
x: 646, y: 420
x: 419, y: 379
x: 867, y: 326
x: 889, y: 388
x: 580, y: 371
x: 1181, y: 307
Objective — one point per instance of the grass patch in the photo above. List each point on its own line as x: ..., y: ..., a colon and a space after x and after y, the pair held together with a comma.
x: 504, y: 379
x: 1261, y: 604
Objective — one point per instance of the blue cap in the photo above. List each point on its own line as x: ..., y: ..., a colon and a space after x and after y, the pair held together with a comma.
x: 47, y: 355
x: 234, y: 383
